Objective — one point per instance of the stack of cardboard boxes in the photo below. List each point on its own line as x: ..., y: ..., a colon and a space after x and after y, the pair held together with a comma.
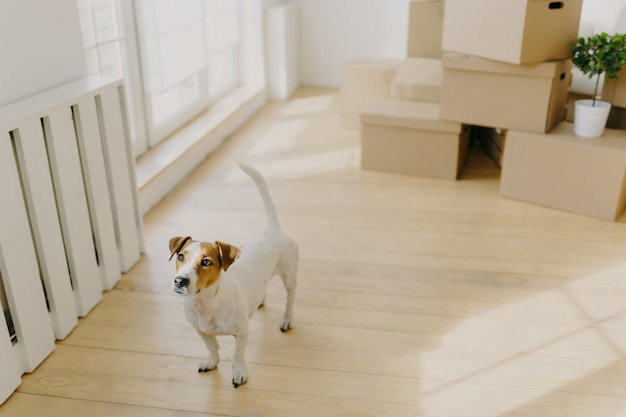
x: 505, y: 65
x: 513, y: 73
x: 508, y: 65
x: 506, y: 70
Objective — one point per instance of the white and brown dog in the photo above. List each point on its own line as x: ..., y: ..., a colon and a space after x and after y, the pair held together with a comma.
x: 224, y: 285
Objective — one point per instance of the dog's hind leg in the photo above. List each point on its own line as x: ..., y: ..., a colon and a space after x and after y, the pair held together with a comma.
x: 288, y: 271
x: 212, y: 360
x: 289, y: 278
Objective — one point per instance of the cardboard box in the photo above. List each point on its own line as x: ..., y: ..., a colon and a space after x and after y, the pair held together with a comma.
x: 561, y: 170
x: 615, y: 90
x: 408, y: 137
x: 363, y: 81
x: 514, y: 31
x: 482, y: 92
x: 425, y: 29
x: 417, y: 79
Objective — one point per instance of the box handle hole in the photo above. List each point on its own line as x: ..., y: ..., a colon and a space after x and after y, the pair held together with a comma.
x: 555, y: 5
x: 562, y: 77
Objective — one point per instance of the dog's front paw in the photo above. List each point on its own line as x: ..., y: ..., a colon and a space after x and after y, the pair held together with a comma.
x: 285, y: 325
x: 240, y: 375
x: 208, y: 364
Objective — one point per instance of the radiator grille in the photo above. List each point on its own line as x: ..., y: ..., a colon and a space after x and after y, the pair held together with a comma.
x: 70, y: 222
x: 7, y: 313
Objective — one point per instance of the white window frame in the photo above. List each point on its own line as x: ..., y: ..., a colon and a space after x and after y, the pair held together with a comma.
x: 132, y: 81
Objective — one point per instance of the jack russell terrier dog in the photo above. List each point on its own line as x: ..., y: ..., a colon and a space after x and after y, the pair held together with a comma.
x: 224, y: 285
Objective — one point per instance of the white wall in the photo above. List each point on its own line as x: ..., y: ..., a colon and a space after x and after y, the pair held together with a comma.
x: 588, y: 17
x: 270, y: 3
x: 334, y: 31
x: 41, y: 46
x: 603, y: 16
x: 611, y: 16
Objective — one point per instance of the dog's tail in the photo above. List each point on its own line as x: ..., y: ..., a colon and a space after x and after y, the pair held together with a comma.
x: 272, y: 217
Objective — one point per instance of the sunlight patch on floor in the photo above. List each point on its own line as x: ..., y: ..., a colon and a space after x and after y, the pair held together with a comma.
x: 579, y: 340
x: 309, y: 106
x: 282, y: 136
x: 300, y: 128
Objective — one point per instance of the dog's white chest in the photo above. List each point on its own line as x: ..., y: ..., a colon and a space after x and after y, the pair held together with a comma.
x: 208, y: 319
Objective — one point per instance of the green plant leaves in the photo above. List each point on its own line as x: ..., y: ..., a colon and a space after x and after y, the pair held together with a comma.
x: 600, y: 54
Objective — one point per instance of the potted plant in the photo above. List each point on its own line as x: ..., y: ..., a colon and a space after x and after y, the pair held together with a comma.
x: 596, y: 55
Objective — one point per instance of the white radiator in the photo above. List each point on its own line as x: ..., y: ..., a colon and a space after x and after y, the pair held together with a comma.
x: 281, y: 46
x: 69, y: 219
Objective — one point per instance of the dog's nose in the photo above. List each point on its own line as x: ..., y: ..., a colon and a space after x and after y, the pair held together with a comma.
x: 181, y: 281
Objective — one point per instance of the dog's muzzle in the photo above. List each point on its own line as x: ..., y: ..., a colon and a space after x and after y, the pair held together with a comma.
x: 181, y: 285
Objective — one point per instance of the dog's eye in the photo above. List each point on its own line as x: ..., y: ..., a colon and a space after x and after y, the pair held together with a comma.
x: 206, y: 262
x: 181, y: 257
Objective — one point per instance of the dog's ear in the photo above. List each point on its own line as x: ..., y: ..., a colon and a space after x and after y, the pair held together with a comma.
x: 228, y: 254
x: 177, y: 243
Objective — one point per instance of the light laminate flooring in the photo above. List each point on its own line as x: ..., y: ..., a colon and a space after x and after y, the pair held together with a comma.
x: 417, y: 296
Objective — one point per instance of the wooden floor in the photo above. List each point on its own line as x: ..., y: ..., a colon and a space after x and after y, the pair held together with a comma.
x: 417, y: 297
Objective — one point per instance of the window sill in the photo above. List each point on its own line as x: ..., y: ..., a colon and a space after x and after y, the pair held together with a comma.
x: 161, y: 168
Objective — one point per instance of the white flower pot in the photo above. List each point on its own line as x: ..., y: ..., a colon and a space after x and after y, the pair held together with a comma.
x: 589, y: 120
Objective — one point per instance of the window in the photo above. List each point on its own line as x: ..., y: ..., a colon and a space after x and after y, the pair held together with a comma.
x: 176, y: 57
x: 102, y: 37
x: 110, y: 48
x: 223, y: 40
